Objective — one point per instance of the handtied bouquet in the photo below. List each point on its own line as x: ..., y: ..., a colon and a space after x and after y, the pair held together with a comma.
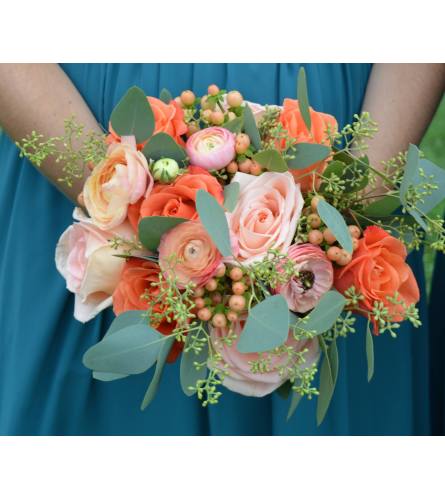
x: 239, y: 240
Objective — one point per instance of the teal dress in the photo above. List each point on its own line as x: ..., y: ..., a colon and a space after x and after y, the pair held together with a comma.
x: 45, y: 389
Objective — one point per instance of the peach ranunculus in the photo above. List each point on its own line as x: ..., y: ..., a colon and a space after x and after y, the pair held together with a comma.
x: 240, y: 378
x: 188, y: 253
x: 211, y: 148
x: 177, y: 199
x: 86, y: 260
x: 292, y: 120
x: 266, y: 215
x: 378, y: 270
x: 315, y: 277
x: 169, y: 118
x: 116, y: 182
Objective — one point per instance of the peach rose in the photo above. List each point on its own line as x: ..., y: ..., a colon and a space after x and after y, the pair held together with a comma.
x: 378, y: 270
x: 293, y: 122
x: 177, y: 199
x: 315, y: 277
x: 187, y: 252
x: 266, y: 215
x: 116, y: 182
x: 211, y: 148
x: 89, y: 265
x: 240, y: 379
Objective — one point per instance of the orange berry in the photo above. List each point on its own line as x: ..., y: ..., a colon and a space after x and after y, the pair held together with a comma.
x: 344, y: 259
x: 187, y: 97
x: 199, y: 302
x: 205, y: 104
x: 232, y: 316
x: 354, y: 231
x: 238, y: 287
x: 232, y: 167
x: 217, y: 117
x: 314, y: 221
x: 314, y: 202
x: 216, y: 298
x: 213, y: 89
x: 245, y: 166
x: 329, y: 237
x: 204, y: 314
x: 236, y: 274
x: 315, y: 237
x: 234, y: 99
x: 219, y: 320
x: 242, y: 143
x: 256, y: 169
x: 207, y: 115
x: 211, y: 285
x: 199, y: 292
x: 333, y: 253
x: 220, y: 271
x: 237, y: 303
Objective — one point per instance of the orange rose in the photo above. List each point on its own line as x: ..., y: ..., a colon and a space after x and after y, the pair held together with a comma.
x: 293, y: 122
x: 177, y: 199
x: 378, y: 270
x: 169, y: 118
x: 135, y: 281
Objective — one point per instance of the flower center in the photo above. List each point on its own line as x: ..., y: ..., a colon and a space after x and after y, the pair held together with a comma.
x: 193, y: 250
x: 306, y: 279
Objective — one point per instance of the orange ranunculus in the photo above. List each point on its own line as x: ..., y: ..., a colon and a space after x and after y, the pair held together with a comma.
x: 169, y: 118
x: 292, y: 120
x: 378, y: 270
x: 135, y: 281
x: 177, y: 199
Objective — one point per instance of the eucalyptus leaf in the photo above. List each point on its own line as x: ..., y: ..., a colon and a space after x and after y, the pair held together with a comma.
x: 152, y: 228
x: 214, y: 220
x: 250, y: 127
x: 437, y: 175
x: 271, y: 160
x: 231, y: 194
x: 303, y: 99
x: 133, y: 115
x: 383, y: 206
x: 284, y: 390
x: 418, y: 218
x: 188, y: 372
x: 267, y: 326
x: 369, y: 352
x: 294, y: 402
x: 160, y: 363
x: 235, y: 125
x: 307, y: 154
x: 336, y: 223
x: 165, y: 96
x: 161, y: 145
x: 328, y: 378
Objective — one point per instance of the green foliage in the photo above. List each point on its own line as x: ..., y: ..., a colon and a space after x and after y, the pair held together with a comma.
x: 369, y: 352
x: 162, y: 145
x: 194, y: 360
x: 336, y: 223
x: 250, y: 127
x: 152, y: 228
x: 328, y: 378
x: 231, y: 194
x: 235, y: 125
x: 306, y: 154
x: 303, y: 99
x: 165, y: 96
x: 271, y: 160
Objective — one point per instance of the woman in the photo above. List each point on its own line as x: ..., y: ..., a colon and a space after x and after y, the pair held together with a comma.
x: 44, y: 389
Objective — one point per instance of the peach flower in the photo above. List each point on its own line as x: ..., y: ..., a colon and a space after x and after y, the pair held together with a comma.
x: 292, y: 120
x: 266, y: 215
x: 240, y: 379
x: 89, y: 265
x: 211, y: 148
x: 187, y: 252
x: 378, y: 270
x: 315, y: 277
x: 116, y: 182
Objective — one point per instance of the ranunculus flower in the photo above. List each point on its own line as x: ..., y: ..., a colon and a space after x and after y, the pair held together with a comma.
x: 292, y: 120
x: 177, y: 199
x: 187, y: 252
x: 378, y: 270
x: 240, y: 379
x: 116, y: 182
x: 169, y: 118
x: 266, y: 214
x: 138, y: 278
x: 212, y: 148
x: 86, y: 260
x: 315, y: 277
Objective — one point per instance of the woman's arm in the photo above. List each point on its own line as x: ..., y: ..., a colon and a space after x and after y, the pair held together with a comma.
x: 402, y: 99
x: 40, y: 97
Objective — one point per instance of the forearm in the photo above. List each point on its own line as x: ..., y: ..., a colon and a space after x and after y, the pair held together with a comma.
x: 40, y: 97
x: 402, y: 99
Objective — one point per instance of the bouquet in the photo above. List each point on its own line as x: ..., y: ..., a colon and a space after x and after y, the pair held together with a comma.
x: 239, y: 240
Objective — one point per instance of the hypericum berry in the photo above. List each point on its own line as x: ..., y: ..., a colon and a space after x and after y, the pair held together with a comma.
x: 217, y: 117
x: 187, y: 97
x: 216, y: 298
x: 178, y: 100
x: 191, y: 129
x: 219, y: 320
x: 333, y: 253
x: 315, y: 237
x: 211, y: 285
x: 314, y: 202
x: 207, y: 115
x: 329, y: 237
x: 213, y: 89
x: 234, y: 99
x: 344, y: 259
x: 220, y: 271
x: 204, y: 314
x: 232, y: 167
x: 256, y: 168
x: 205, y: 104
x: 354, y: 244
x: 238, y: 287
x: 354, y: 231
x: 199, y: 292
x: 232, y: 316
x: 199, y: 302
x: 236, y: 274
x: 314, y: 221
x: 245, y: 166
x: 237, y: 303
x: 242, y: 143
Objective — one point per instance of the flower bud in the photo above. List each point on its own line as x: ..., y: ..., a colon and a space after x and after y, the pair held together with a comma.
x: 165, y: 170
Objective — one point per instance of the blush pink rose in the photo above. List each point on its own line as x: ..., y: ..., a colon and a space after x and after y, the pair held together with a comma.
x: 121, y: 179
x: 240, y: 379
x: 212, y: 148
x: 187, y: 252
x: 315, y: 277
x: 86, y: 260
x: 266, y: 215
